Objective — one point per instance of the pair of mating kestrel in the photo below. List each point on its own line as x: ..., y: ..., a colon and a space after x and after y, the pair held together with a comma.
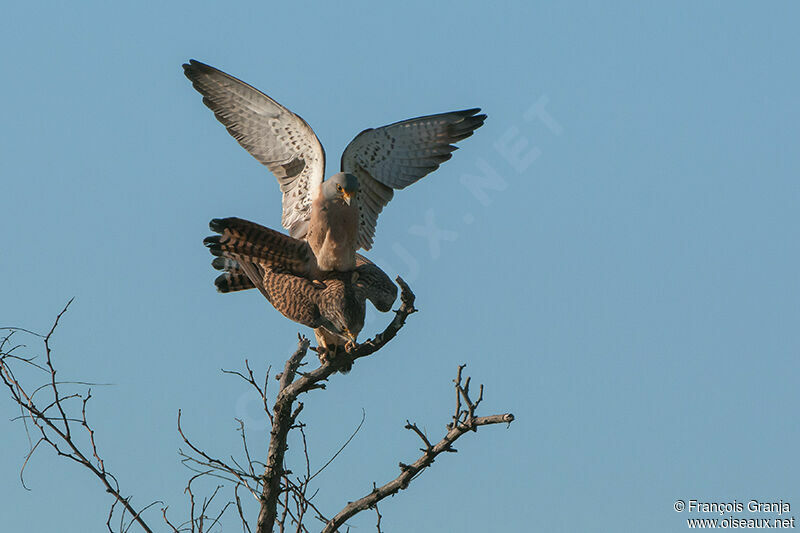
x: 314, y: 275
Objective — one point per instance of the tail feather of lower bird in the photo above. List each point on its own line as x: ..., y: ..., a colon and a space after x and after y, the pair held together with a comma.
x: 253, y: 256
x: 233, y: 277
x: 243, y: 241
x: 233, y: 281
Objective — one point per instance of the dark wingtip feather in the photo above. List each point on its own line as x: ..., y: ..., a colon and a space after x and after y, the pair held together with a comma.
x: 192, y: 69
x: 469, y: 112
x: 461, y: 136
x: 466, y: 127
x: 195, y: 67
x: 475, y: 121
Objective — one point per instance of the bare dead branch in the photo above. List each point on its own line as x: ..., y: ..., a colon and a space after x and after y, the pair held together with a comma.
x: 377, y: 512
x: 421, y: 435
x: 23, y: 330
x: 215, y: 464
x: 408, y: 472
x: 57, y: 431
x: 251, y: 471
x: 285, y: 512
x: 245, y: 525
x: 145, y: 508
x: 290, y: 389
x: 284, y: 498
x: 282, y: 421
x: 110, y: 517
x: 250, y: 379
x: 349, y: 439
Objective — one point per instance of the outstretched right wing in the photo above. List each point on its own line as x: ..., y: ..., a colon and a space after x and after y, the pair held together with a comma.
x: 275, y: 136
x: 395, y: 156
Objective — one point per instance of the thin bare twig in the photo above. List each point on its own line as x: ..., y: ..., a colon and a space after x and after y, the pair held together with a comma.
x: 57, y: 431
x: 245, y: 525
x: 464, y: 421
x: 377, y: 512
x: 350, y: 438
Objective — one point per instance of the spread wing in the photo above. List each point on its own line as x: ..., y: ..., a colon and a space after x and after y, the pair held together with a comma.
x: 272, y: 134
x: 374, y: 284
x: 397, y: 155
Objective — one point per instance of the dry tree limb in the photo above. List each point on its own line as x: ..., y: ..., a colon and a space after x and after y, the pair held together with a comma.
x: 464, y: 421
x: 377, y: 512
x: 282, y: 421
x: 58, y: 429
x: 275, y: 481
x: 282, y: 415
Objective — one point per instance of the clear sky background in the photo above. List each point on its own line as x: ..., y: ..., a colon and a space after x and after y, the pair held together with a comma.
x: 627, y: 285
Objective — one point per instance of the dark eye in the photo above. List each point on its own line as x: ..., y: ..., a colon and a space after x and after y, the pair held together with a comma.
x: 339, y: 188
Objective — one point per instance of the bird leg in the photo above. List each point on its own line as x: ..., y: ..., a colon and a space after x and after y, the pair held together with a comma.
x: 330, y: 354
x: 324, y: 353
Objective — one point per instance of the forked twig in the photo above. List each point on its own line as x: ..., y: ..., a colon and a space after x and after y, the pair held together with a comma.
x: 58, y: 431
x: 464, y: 421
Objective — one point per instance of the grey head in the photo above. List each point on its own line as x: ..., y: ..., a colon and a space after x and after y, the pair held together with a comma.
x: 341, y: 186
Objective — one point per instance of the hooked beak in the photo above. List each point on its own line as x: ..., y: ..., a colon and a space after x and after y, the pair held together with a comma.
x: 347, y: 196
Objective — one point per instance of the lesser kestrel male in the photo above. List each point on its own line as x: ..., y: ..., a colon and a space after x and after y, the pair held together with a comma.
x: 336, y: 216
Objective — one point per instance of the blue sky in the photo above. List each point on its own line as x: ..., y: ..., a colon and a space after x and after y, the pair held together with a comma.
x: 627, y: 285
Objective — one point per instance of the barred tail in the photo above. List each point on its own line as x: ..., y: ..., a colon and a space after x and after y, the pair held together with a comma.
x: 233, y: 278
x: 242, y: 241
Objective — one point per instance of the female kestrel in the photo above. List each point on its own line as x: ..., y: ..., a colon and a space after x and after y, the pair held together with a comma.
x: 333, y: 302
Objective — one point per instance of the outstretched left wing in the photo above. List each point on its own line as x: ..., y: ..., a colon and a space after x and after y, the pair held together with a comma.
x: 275, y: 136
